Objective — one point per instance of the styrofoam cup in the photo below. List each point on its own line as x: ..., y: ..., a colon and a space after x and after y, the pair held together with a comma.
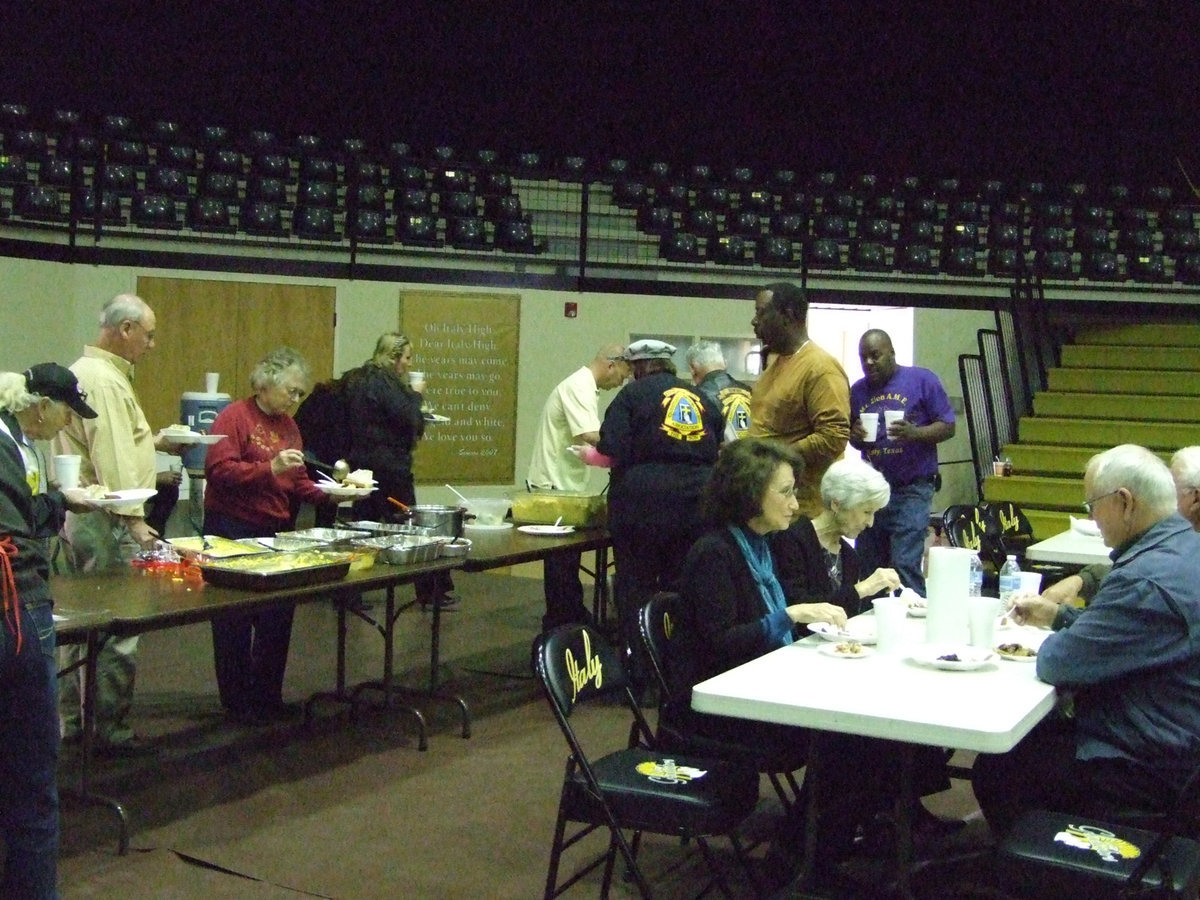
x: 870, y: 424
x: 66, y: 469
x: 416, y: 380
x: 891, y: 417
x: 890, y: 615
x: 1031, y: 582
x: 211, y: 380
x: 981, y: 620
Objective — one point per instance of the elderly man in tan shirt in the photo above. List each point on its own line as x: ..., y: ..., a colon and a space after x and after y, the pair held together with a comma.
x: 117, y: 450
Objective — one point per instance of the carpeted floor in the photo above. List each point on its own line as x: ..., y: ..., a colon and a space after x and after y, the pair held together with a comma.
x: 351, y: 809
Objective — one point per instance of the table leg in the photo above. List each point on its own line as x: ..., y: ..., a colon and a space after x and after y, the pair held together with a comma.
x: 87, y: 739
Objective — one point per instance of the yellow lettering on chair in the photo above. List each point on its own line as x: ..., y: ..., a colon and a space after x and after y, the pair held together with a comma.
x: 590, y: 671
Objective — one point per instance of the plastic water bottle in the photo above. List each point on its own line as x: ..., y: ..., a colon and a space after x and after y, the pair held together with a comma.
x: 975, y: 587
x: 1010, y: 579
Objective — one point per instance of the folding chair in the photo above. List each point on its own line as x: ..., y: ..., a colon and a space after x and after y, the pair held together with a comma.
x: 1014, y: 532
x: 1051, y: 855
x: 634, y: 788
x: 658, y: 622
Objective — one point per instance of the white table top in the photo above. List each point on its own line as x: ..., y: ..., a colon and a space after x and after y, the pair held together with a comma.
x: 885, y: 696
x: 1070, y: 547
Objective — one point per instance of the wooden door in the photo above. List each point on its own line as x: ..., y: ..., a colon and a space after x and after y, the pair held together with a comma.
x: 226, y: 327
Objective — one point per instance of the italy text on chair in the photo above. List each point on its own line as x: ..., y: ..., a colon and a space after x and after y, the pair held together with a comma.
x: 634, y: 788
x: 658, y: 622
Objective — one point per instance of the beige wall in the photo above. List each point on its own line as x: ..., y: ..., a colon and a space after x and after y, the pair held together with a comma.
x: 49, y: 310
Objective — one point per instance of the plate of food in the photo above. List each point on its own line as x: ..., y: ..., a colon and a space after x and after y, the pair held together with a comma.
x: 547, y: 530
x: 860, y: 632
x: 181, y: 434
x: 959, y: 658
x: 107, y: 499
x: 434, y: 417
x: 847, y: 650
x: 344, y: 491
x: 1014, y: 652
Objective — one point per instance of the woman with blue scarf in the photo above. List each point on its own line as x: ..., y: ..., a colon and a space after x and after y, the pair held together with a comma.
x: 734, y: 606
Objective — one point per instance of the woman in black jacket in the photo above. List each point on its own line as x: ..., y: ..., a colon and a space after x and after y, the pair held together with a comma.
x: 385, y: 424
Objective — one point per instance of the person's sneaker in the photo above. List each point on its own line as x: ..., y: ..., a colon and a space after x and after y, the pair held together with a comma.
x: 446, y: 602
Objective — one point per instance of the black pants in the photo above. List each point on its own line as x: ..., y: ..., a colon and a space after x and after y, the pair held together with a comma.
x: 250, y: 649
x: 1042, y: 772
x: 564, y: 591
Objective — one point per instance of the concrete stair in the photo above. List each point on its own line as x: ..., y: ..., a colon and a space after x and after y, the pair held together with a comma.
x: 1126, y: 384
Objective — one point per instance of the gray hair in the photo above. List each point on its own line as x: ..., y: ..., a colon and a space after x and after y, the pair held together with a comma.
x: 705, y: 355
x: 1137, y: 470
x: 123, y: 308
x: 852, y: 483
x: 14, y: 394
x: 269, y: 372
x: 1185, y: 466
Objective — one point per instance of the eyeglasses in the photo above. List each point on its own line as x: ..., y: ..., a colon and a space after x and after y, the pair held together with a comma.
x: 1088, y: 504
x: 295, y: 393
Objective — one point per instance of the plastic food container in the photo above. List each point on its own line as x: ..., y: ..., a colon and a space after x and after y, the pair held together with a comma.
x: 544, y: 508
x: 488, y: 510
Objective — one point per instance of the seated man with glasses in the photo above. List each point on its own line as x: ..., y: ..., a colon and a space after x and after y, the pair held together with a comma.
x: 1130, y: 660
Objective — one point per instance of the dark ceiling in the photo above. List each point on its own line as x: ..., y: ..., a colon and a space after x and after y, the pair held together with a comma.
x: 1067, y: 90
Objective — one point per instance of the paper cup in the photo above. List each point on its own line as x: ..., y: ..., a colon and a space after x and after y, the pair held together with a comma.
x: 891, y: 417
x: 998, y: 468
x: 211, y: 380
x: 870, y: 424
x: 416, y: 380
x: 890, y: 616
x: 981, y: 619
x: 66, y: 470
x: 1031, y: 583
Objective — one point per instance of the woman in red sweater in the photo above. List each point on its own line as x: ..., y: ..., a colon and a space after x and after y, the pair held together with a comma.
x: 252, y: 478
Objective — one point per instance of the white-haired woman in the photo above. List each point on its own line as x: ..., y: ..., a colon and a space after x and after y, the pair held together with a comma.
x: 34, y: 405
x: 253, y: 478
x: 814, y: 557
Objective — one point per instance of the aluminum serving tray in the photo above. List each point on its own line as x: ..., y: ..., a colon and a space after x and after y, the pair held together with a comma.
x: 407, y: 549
x: 327, y: 536
x: 276, y: 571
x: 381, y: 528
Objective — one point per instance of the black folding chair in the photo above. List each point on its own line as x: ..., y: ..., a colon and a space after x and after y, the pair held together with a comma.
x: 634, y: 788
x: 658, y: 622
x: 1051, y: 855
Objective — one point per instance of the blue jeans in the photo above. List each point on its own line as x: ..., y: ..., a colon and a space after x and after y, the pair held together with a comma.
x: 29, y: 757
x: 897, y: 538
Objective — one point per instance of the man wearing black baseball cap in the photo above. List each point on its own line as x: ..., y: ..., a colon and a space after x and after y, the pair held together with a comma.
x: 53, y: 381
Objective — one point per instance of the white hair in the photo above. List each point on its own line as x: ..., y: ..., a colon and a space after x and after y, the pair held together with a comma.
x: 270, y: 372
x: 705, y: 355
x: 852, y: 483
x: 1185, y: 466
x: 1137, y: 470
x: 123, y: 308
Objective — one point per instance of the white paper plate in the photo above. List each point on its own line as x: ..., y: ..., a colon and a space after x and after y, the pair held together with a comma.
x: 502, y: 526
x: 191, y: 437
x: 968, y: 658
x: 434, y: 417
x: 1012, y: 658
x: 124, y: 498
x: 547, y: 530
x: 918, y: 612
x: 343, y: 491
x: 1085, y: 526
x: 863, y: 632
x: 832, y: 650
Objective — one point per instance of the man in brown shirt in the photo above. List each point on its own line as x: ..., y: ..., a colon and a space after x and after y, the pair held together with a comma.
x: 803, y: 395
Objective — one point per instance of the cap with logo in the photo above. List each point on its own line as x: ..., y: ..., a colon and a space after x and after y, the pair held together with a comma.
x: 58, y: 383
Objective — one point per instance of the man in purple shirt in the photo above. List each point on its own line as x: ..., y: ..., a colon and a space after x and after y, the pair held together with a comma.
x: 904, y: 450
